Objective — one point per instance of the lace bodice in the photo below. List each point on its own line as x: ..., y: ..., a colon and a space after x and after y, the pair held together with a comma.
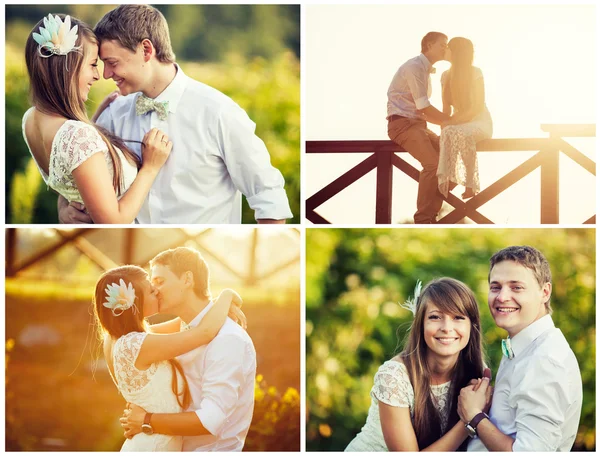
x: 392, y: 387
x: 150, y: 389
x: 73, y: 144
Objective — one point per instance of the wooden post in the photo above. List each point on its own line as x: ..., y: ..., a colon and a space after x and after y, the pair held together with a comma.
x: 549, y: 186
x: 383, y: 202
x: 11, y: 245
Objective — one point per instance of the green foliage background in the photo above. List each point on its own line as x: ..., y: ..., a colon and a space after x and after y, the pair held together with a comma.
x: 355, y: 279
x: 249, y: 52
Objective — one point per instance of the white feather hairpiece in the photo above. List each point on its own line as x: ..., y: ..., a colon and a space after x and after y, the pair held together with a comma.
x: 411, y: 304
x: 56, y: 37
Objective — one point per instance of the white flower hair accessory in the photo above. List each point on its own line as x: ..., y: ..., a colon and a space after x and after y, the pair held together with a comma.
x: 120, y: 297
x: 411, y: 304
x: 56, y: 37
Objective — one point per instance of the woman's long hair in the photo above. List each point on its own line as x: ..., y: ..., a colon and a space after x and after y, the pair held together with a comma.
x: 454, y: 298
x: 461, y: 73
x: 131, y: 320
x: 54, y: 90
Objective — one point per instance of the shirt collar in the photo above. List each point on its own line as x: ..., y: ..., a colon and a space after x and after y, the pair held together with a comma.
x: 198, y: 318
x: 174, y: 90
x: 529, y: 334
x: 425, y: 61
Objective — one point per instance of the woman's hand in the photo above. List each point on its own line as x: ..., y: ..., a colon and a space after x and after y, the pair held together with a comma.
x: 104, y: 104
x: 156, y: 148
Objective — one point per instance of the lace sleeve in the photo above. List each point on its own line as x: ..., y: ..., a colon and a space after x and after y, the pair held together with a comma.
x: 126, y: 351
x: 392, y: 385
x: 78, y: 142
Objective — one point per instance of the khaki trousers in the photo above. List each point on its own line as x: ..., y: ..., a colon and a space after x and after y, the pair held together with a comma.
x: 424, y: 145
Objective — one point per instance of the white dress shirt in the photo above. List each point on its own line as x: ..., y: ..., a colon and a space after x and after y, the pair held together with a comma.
x: 538, y: 394
x: 410, y: 88
x: 215, y: 156
x: 221, y: 377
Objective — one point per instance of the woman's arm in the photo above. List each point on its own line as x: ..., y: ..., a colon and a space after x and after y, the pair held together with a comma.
x: 399, y: 434
x: 166, y: 327
x: 159, y: 347
x: 95, y: 184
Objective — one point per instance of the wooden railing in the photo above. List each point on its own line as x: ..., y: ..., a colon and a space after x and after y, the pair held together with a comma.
x: 385, y: 155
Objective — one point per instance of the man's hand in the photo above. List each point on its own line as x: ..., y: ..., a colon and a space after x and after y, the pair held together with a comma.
x: 70, y: 213
x: 475, y: 398
x: 132, y: 420
x: 104, y: 104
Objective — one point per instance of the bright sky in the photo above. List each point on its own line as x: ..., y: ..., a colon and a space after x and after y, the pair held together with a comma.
x: 539, y: 67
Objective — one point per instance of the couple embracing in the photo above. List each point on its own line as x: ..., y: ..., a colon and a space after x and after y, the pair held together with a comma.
x: 436, y: 395
x: 189, y: 382
x: 451, y: 158
x: 163, y: 148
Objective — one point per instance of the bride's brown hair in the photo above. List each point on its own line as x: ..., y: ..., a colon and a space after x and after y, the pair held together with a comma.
x: 461, y: 73
x: 132, y: 319
x: 455, y: 298
x: 54, y: 89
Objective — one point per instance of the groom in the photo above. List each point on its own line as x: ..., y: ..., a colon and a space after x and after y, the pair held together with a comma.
x: 537, y: 398
x: 409, y: 110
x: 220, y: 375
x: 216, y: 155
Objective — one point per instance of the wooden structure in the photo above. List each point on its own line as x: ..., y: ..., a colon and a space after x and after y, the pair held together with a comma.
x: 248, y: 274
x: 386, y: 154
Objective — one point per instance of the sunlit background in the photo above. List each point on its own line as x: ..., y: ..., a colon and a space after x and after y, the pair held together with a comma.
x: 356, y: 278
x: 59, y: 395
x: 249, y: 52
x: 539, y: 67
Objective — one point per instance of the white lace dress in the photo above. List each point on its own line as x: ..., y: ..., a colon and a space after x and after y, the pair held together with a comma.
x: 73, y: 144
x: 458, y: 153
x: 392, y: 387
x: 150, y: 389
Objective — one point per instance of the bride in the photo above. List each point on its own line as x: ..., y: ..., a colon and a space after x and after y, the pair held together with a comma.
x: 141, y: 363
x: 463, y: 95
x: 62, y: 60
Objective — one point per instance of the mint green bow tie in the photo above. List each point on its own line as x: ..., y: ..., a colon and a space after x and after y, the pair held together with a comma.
x: 143, y: 105
x: 507, y: 348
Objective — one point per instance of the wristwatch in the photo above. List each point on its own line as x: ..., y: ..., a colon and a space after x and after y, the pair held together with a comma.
x: 146, y: 427
x: 471, y: 426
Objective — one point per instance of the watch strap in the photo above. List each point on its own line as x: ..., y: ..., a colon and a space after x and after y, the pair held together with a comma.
x: 477, y: 419
x: 147, y: 418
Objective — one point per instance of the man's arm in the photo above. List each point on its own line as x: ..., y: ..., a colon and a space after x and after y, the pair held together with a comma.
x: 249, y: 165
x: 223, y: 374
x: 434, y: 116
x: 186, y: 423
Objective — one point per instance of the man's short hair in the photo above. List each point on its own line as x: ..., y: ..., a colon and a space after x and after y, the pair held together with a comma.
x: 430, y: 39
x: 528, y: 257
x: 183, y: 259
x: 129, y: 25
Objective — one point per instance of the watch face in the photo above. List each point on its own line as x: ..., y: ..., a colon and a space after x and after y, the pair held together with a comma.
x: 470, y: 430
x: 147, y: 429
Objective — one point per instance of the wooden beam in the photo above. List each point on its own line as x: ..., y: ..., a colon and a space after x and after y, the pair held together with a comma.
x: 130, y: 236
x: 488, y: 145
x: 549, y: 187
x: 66, y: 238
x: 383, y: 193
x: 279, y: 268
x: 341, y: 183
x: 570, y: 130
x: 11, y: 246
x: 316, y: 218
x: 251, y: 278
x: 494, y: 189
x: 577, y: 156
x: 590, y: 221
x: 93, y: 253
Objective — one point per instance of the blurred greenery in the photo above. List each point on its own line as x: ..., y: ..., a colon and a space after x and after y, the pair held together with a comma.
x: 355, y: 279
x: 249, y: 52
